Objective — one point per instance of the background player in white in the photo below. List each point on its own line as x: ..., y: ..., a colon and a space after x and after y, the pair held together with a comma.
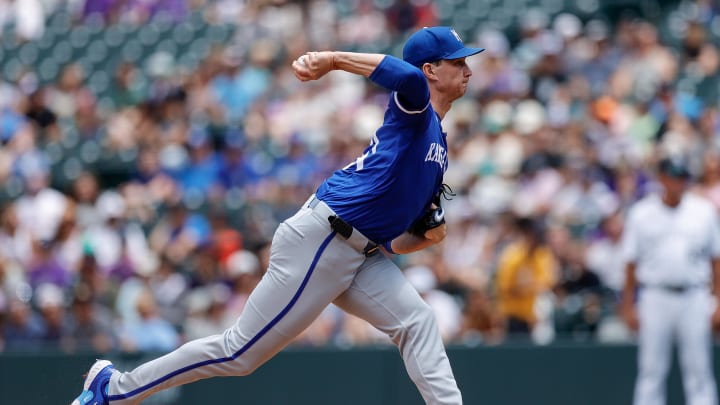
x: 672, y: 244
x: 328, y: 251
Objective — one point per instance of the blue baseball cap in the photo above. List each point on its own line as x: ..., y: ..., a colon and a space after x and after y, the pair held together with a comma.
x: 431, y: 44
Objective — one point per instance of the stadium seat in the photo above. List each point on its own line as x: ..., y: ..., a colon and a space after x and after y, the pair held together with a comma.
x: 149, y: 35
x: 97, y: 51
x: 99, y: 82
x: 29, y: 54
x: 114, y: 36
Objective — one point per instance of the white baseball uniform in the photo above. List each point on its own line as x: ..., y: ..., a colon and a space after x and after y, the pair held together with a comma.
x: 672, y: 248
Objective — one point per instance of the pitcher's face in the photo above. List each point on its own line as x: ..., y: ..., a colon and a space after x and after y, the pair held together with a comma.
x: 453, y: 76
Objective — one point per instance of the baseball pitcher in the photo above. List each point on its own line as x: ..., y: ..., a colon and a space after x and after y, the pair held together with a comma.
x: 329, y: 251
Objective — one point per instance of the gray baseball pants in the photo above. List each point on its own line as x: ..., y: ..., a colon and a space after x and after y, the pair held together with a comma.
x: 310, y: 267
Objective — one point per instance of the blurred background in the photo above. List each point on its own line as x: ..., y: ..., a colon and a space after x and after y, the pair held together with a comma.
x: 149, y: 148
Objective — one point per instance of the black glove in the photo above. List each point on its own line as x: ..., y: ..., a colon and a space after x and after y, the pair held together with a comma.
x: 432, y: 219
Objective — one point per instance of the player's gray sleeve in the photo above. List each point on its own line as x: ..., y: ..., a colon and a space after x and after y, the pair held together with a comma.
x: 629, y: 243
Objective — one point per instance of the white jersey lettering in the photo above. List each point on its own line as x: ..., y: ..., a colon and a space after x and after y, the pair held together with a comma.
x: 360, y: 161
x: 436, y: 153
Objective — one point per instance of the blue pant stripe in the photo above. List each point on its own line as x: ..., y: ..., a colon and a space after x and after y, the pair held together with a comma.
x: 247, y: 345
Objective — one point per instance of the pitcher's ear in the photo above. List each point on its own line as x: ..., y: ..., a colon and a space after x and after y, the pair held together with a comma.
x: 428, y: 68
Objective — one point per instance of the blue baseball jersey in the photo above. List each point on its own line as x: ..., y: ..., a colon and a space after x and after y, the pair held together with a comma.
x: 393, y: 183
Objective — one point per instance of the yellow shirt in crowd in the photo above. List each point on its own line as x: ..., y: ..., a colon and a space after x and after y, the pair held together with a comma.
x: 522, y: 277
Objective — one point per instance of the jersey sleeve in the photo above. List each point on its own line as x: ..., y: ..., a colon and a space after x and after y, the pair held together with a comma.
x: 410, y: 89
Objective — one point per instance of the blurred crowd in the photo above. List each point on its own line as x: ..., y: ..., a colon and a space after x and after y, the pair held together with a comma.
x: 556, y: 137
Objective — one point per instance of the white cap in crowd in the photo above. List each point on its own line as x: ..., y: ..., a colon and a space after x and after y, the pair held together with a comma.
x: 242, y: 262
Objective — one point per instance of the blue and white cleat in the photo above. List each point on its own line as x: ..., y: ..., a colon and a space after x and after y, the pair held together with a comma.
x: 96, y: 383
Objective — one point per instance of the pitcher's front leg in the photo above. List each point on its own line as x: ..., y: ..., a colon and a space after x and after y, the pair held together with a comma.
x: 381, y: 295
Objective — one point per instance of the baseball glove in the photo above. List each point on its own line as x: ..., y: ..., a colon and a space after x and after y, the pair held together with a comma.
x: 432, y: 219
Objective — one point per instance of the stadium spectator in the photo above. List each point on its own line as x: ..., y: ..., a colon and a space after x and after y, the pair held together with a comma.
x: 85, y: 191
x: 50, y: 301
x: 43, y: 118
x: 149, y: 332
x: 527, y: 270
x: 179, y: 233
x: 90, y: 324
x: 603, y: 256
x: 169, y: 288
x: 709, y: 184
x: 24, y: 328
x: 15, y: 240
x: 481, y: 321
x: 578, y: 295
